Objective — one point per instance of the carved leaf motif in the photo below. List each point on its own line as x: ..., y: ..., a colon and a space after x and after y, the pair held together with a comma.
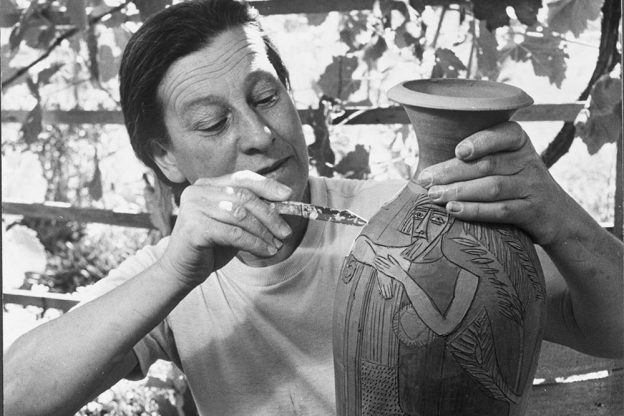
x: 473, y: 349
x: 508, y: 296
x: 466, y: 242
x: 475, y: 251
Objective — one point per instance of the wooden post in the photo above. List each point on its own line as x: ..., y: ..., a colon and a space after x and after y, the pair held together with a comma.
x: 618, y: 220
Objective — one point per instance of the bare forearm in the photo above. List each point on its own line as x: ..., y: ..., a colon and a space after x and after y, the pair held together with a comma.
x: 589, y: 305
x: 60, y: 365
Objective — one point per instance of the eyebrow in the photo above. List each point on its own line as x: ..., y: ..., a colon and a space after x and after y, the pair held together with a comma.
x: 201, y: 102
x: 252, y: 79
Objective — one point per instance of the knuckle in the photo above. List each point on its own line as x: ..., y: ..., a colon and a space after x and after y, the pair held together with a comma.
x: 239, y: 212
x: 236, y: 234
x: 484, y: 166
x: 503, y: 212
x: 495, y: 190
x: 242, y: 195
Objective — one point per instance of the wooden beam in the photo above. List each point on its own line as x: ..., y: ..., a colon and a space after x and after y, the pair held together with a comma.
x: 618, y: 221
x: 351, y: 116
x: 8, y: 17
x: 65, y: 212
x: 60, y: 301
x: 600, y: 396
x: 558, y: 361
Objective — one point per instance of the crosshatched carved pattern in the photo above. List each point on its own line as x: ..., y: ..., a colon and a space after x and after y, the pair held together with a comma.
x: 377, y: 382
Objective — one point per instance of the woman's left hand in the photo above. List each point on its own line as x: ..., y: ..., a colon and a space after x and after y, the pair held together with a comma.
x: 497, y: 176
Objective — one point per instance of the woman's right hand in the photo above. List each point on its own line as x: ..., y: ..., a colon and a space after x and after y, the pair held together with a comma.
x: 220, y: 216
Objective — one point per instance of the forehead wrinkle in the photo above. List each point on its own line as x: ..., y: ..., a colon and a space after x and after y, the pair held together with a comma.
x: 219, y: 59
x: 190, y: 83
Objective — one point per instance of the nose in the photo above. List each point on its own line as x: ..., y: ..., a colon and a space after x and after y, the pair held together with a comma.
x: 421, y: 229
x: 255, y: 135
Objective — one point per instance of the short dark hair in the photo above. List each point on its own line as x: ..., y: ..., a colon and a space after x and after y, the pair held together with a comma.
x: 165, y: 37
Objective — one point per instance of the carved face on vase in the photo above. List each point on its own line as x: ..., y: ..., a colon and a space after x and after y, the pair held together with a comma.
x: 428, y: 223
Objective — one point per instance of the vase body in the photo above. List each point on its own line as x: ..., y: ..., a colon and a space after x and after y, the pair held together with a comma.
x: 433, y: 315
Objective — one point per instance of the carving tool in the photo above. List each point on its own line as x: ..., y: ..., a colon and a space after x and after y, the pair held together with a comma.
x: 315, y: 212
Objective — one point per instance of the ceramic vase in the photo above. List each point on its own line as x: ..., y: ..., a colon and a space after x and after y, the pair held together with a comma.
x: 433, y: 315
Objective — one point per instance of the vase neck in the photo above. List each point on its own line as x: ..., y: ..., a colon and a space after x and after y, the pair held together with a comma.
x: 433, y: 150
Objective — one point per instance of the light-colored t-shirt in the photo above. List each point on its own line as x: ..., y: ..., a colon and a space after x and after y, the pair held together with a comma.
x: 258, y: 341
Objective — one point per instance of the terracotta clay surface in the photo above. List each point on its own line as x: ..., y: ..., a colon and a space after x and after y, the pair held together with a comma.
x: 433, y: 315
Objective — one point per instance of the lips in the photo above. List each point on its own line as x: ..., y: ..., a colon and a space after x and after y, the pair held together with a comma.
x: 272, y: 168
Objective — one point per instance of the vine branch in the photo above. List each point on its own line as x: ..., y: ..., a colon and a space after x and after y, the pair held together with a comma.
x: 65, y: 35
x: 608, y: 57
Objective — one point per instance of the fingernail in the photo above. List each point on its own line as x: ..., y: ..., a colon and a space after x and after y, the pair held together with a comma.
x: 454, y: 207
x: 284, y: 190
x: 464, y: 150
x: 272, y: 250
x: 425, y: 179
x: 277, y: 243
x: 285, y: 230
x: 435, y: 193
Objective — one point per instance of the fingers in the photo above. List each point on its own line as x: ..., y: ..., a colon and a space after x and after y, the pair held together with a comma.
x: 487, y: 189
x: 512, y: 211
x: 228, y: 211
x: 266, y: 188
x: 504, y: 137
x: 241, y: 238
x: 502, y: 150
x: 245, y: 201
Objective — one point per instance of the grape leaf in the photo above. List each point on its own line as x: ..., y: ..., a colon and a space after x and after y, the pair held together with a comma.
x: 32, y: 125
x: 108, y: 65
x: 6, y: 55
x: 19, y: 29
x: 316, y: 19
x: 149, y: 7
x: 601, y: 121
x: 353, y: 25
x: 546, y: 53
x: 355, y: 163
x: 410, y: 35
x: 487, y: 54
x: 418, y: 5
x: 95, y: 184
x: 373, y: 51
x: 336, y: 80
x: 572, y: 15
x: 495, y: 14
x: 447, y: 64
x: 76, y: 9
x: 44, y: 76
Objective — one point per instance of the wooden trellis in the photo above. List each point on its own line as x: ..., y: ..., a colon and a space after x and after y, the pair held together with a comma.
x: 600, y: 393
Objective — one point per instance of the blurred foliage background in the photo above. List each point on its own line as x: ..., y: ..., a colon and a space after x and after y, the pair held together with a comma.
x: 64, y: 55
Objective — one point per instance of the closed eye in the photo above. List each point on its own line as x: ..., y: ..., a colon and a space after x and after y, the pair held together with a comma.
x: 267, y: 100
x: 217, y: 127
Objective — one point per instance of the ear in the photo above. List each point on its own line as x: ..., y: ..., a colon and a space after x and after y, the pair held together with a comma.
x: 167, y: 162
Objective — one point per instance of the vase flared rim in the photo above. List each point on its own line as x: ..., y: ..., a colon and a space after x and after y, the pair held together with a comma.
x: 459, y: 95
